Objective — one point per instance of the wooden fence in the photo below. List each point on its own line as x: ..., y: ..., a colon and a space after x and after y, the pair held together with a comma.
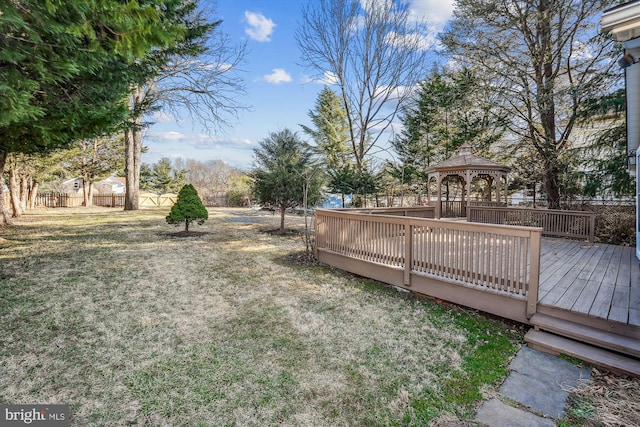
x: 108, y: 200
x: 59, y: 200
x: 554, y: 223
x: 62, y: 200
x: 155, y: 201
x: 487, y: 267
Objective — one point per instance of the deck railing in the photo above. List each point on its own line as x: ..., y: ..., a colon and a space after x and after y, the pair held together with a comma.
x: 500, y: 259
x: 554, y: 223
x: 412, y: 211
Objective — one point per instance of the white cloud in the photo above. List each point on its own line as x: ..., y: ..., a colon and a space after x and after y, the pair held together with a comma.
x: 436, y: 11
x: 259, y: 27
x: 199, y: 140
x: 329, y: 78
x: 166, y: 136
x: 204, y: 141
x: 279, y: 75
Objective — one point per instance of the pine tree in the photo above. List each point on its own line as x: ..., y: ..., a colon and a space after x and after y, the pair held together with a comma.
x: 283, y: 173
x: 188, y: 208
x: 331, y: 131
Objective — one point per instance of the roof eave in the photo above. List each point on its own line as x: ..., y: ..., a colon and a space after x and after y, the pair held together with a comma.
x: 622, y: 23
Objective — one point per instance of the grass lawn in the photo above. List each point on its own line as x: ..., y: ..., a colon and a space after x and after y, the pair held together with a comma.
x: 106, y: 311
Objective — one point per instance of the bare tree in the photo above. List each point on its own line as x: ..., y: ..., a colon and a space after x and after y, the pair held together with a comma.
x: 545, y: 58
x: 213, y: 179
x: 373, y: 51
x: 200, y: 79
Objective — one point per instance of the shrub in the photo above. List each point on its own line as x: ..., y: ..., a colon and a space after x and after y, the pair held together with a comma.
x: 237, y: 198
x: 188, y: 208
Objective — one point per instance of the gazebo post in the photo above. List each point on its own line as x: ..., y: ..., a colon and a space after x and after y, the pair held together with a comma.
x: 466, y: 195
x: 439, y: 204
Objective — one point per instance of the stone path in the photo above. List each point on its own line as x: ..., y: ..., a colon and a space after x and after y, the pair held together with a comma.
x: 535, y: 392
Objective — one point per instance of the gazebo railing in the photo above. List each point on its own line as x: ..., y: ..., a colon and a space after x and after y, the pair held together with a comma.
x: 452, y: 209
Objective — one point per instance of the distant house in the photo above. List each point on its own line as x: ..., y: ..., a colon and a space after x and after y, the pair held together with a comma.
x: 72, y: 186
x: 111, y: 185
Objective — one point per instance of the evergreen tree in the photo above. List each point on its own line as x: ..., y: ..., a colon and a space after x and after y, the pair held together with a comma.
x: 283, y: 173
x: 343, y: 181
x: 331, y: 131
x: 188, y: 208
x: 64, y: 69
x: 162, y: 177
x: 606, y: 160
x: 448, y: 110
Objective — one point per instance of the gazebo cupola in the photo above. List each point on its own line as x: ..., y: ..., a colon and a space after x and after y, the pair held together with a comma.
x: 467, y: 167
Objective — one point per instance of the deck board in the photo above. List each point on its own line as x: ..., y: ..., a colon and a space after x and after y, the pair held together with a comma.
x: 597, y: 280
x: 602, y: 303
x: 587, y: 297
x: 557, y: 279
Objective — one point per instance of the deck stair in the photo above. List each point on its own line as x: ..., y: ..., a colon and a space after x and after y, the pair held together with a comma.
x: 615, y: 352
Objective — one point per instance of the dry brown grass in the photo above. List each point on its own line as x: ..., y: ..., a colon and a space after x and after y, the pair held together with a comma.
x: 605, y: 400
x: 106, y: 311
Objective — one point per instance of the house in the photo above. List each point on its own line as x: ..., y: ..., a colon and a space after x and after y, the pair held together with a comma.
x: 622, y: 23
x: 111, y: 185
x: 72, y: 186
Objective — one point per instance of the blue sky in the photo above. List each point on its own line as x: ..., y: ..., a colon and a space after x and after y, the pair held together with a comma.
x: 279, y: 91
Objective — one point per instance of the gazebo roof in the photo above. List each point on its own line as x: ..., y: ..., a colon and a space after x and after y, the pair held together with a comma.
x: 466, y: 160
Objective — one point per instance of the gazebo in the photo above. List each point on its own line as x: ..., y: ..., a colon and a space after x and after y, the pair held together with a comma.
x: 467, y: 167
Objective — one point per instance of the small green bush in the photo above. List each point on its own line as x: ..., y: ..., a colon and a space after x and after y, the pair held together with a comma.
x: 237, y: 198
x: 188, y: 208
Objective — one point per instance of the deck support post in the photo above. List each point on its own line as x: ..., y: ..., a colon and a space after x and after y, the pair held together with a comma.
x: 534, y: 273
x: 408, y: 250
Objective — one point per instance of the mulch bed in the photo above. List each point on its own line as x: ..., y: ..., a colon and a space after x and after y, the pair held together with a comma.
x: 188, y: 234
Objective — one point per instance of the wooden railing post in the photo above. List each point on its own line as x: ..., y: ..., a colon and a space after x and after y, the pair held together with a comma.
x: 318, y: 237
x: 534, y: 273
x: 408, y: 252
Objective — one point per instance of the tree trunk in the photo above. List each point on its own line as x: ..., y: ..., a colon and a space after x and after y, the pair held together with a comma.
x: 186, y: 225
x: 133, y: 150
x: 24, y: 192
x: 87, y: 193
x: 92, y: 190
x: 33, y: 194
x: 14, y: 193
x: 5, y: 218
x: 282, y: 212
x: 551, y: 186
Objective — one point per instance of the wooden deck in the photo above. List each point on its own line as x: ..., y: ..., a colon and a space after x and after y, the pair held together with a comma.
x: 599, y: 281
x: 582, y: 299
